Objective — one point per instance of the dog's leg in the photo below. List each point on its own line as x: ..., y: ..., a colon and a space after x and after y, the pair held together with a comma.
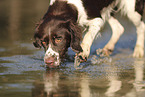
x: 139, y: 48
x: 94, y: 27
x: 133, y: 9
x: 135, y: 17
x: 117, y: 31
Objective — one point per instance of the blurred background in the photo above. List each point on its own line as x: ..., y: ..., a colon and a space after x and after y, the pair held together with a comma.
x: 17, y: 23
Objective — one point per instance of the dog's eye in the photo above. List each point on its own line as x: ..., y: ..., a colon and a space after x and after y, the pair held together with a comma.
x: 58, y: 39
x: 44, y: 44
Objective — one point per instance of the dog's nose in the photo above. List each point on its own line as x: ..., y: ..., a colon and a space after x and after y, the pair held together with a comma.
x: 50, y: 62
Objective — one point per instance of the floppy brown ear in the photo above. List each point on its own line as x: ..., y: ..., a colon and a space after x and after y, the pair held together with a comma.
x: 76, y: 36
x: 37, y: 43
x: 39, y: 34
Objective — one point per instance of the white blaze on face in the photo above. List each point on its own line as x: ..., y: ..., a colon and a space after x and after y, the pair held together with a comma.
x: 51, y: 53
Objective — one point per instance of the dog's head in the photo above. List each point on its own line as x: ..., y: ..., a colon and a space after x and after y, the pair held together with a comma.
x: 56, y: 36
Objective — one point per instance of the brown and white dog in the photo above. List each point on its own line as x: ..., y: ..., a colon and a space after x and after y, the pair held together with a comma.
x: 60, y: 28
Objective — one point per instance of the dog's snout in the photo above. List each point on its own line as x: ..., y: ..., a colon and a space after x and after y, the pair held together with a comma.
x: 50, y: 62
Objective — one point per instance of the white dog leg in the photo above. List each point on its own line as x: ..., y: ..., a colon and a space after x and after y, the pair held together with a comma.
x: 140, y: 28
x: 94, y: 27
x: 117, y: 31
x: 128, y: 8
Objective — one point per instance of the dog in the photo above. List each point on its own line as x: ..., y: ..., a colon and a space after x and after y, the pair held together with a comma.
x: 61, y: 27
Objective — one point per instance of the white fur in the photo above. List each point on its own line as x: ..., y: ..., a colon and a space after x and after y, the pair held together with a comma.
x: 126, y: 6
x: 135, y: 18
x: 105, y: 13
x: 117, y: 31
x: 94, y: 27
x: 82, y: 16
x: 50, y: 52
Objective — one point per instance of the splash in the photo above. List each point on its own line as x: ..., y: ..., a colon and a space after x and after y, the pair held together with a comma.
x: 101, y: 58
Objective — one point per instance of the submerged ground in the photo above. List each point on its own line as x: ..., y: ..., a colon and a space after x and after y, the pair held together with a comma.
x: 22, y: 71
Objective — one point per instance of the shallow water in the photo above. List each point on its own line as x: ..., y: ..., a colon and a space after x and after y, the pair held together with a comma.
x: 22, y: 71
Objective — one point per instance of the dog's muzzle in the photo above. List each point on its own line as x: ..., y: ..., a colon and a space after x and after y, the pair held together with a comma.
x: 51, y: 58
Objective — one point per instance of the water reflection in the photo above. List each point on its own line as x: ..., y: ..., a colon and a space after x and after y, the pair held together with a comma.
x: 139, y: 83
x: 114, y: 82
x: 56, y: 84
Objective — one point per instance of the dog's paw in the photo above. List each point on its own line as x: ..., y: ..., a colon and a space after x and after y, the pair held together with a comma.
x: 138, y: 52
x: 79, y: 58
x: 82, y: 56
x: 107, y: 51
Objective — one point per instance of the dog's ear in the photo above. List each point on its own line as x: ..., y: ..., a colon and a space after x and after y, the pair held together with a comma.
x: 37, y: 43
x: 76, y: 36
x: 38, y: 35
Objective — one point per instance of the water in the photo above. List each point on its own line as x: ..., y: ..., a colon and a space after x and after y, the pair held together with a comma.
x: 22, y: 71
